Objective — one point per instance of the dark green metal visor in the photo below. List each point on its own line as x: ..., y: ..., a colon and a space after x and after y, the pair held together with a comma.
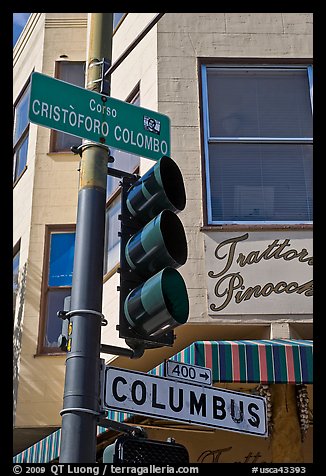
x: 160, y: 188
x: 158, y: 305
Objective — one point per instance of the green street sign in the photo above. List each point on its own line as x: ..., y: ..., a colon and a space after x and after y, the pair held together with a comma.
x: 67, y: 108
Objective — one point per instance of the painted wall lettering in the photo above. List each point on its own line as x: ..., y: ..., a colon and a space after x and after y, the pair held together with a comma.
x: 241, y: 269
x: 216, y: 456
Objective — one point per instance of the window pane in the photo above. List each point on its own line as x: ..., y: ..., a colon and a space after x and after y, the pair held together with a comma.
x: 116, y: 18
x: 112, y: 240
x: 55, y: 302
x: 64, y: 141
x: 249, y: 102
x: 122, y: 160
x: 73, y: 73
x: 21, y: 115
x: 61, y: 259
x: 20, y: 158
x: 258, y: 182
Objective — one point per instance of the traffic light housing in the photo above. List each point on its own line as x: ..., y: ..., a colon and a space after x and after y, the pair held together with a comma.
x: 135, y: 450
x: 153, y: 295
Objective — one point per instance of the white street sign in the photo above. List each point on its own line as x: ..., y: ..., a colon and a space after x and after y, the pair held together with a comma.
x: 149, y: 395
x: 190, y: 373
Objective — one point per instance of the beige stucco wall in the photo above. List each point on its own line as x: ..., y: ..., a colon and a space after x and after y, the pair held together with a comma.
x: 207, y: 445
x: 22, y: 197
x: 165, y: 64
x: 45, y: 194
x: 182, y: 40
x: 51, y: 184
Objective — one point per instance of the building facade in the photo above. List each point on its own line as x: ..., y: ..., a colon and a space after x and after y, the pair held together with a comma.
x: 238, y: 90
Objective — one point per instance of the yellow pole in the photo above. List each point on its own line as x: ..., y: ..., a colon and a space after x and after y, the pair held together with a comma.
x: 286, y: 435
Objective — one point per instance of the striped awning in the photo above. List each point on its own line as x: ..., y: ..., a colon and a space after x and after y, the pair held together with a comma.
x: 43, y: 451
x: 253, y: 361
x: 246, y: 361
x: 48, y: 448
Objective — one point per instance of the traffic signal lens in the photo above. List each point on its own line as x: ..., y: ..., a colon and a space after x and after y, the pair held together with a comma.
x: 172, y: 182
x: 158, y: 305
x: 162, y: 242
x: 160, y: 188
x: 175, y: 295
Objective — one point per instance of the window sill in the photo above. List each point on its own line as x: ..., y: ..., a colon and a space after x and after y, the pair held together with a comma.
x: 110, y: 273
x: 266, y: 227
x: 64, y: 153
x: 47, y: 354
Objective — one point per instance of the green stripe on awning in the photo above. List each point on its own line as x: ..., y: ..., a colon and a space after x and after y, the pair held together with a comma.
x: 255, y: 361
x: 268, y: 361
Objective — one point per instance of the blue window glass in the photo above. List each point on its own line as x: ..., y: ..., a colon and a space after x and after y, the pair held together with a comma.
x: 61, y: 259
x: 21, y: 133
x: 59, y: 282
x: 21, y: 115
x: 116, y: 18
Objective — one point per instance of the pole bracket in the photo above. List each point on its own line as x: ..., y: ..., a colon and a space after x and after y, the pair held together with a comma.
x: 85, y: 145
x: 122, y: 427
x: 68, y: 314
x: 134, y: 353
x: 104, y: 83
x: 80, y: 410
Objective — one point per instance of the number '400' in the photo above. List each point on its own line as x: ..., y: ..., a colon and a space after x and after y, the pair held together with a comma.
x: 185, y: 372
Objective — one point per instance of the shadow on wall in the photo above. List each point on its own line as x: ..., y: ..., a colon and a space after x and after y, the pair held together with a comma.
x: 17, y: 334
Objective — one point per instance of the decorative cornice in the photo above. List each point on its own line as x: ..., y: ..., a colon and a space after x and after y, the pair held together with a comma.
x: 66, y: 22
x: 63, y: 22
x: 25, y: 35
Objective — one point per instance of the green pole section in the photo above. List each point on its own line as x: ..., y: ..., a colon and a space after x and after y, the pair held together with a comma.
x: 82, y: 379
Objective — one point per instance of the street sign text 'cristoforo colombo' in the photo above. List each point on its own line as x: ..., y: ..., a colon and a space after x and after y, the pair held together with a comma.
x: 67, y: 108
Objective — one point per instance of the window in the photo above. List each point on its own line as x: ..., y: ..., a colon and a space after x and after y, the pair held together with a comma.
x: 122, y: 160
x: 21, y: 133
x: 128, y: 163
x: 112, y: 227
x: 258, y: 144
x: 15, y: 275
x: 116, y: 19
x: 71, y: 72
x: 59, y: 258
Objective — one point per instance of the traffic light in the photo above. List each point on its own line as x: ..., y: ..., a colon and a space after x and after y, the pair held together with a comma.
x: 153, y: 295
x: 135, y: 450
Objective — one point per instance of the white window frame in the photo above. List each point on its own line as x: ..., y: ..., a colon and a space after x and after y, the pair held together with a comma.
x: 208, y: 139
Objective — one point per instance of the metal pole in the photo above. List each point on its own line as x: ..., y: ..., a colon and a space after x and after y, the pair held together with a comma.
x: 82, y: 380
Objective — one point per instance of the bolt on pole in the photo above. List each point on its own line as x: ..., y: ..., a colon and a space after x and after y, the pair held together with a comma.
x: 82, y: 379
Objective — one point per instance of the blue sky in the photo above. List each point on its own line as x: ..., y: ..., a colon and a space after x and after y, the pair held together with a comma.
x: 19, y: 20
